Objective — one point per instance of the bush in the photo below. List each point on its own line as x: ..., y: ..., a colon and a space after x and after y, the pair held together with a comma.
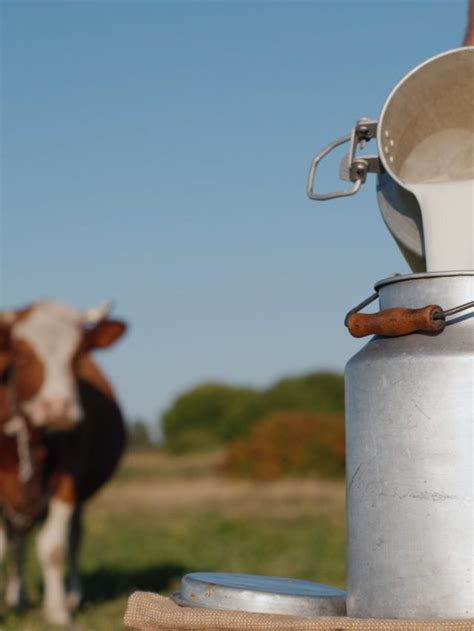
x: 213, y: 414
x: 290, y: 444
x: 318, y: 392
x: 195, y: 420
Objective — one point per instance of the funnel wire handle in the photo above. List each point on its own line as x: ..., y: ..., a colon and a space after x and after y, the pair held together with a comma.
x: 359, y: 169
x: 312, y: 173
x: 358, y: 166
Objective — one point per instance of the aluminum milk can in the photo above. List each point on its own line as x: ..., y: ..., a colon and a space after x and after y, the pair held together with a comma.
x: 410, y: 452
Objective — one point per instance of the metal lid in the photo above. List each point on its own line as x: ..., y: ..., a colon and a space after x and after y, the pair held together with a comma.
x: 260, y: 594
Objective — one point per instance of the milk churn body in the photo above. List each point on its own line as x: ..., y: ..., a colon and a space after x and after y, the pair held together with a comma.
x: 410, y: 475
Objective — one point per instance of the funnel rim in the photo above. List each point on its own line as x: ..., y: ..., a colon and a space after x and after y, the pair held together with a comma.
x: 405, y: 78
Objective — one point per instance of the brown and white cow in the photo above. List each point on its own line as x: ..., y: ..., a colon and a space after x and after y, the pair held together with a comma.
x: 48, y: 383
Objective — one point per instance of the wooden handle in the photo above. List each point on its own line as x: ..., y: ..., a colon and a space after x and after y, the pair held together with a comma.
x: 395, y: 322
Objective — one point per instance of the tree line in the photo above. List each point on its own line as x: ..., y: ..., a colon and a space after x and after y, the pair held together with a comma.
x: 214, y: 414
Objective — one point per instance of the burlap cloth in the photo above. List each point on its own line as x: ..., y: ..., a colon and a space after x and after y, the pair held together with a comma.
x: 152, y: 612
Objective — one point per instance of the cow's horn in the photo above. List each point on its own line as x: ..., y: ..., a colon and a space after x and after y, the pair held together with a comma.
x: 97, y: 314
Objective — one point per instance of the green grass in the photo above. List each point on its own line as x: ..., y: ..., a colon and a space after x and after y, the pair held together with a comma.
x: 149, y: 528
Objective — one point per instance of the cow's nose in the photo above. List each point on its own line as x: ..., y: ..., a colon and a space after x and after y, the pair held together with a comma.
x: 57, y: 408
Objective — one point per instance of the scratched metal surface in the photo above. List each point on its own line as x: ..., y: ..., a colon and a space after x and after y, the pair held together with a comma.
x: 410, y: 474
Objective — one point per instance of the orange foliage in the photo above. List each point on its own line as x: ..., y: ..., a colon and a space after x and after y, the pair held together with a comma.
x: 289, y: 443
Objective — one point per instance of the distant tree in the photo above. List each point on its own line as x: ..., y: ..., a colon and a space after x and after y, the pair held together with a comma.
x: 196, y: 419
x: 139, y: 436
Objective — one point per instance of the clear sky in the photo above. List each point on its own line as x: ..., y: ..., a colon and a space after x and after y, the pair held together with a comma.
x: 156, y: 153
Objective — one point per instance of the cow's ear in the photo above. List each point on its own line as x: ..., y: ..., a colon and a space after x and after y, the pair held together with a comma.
x: 104, y: 334
x: 7, y: 322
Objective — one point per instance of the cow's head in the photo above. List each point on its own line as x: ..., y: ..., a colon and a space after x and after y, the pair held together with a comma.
x: 44, y: 343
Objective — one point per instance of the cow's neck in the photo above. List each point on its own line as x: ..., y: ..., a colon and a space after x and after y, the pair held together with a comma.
x: 10, y: 417
x: 7, y: 409
x: 20, y: 455
x: 17, y: 428
x: 21, y: 470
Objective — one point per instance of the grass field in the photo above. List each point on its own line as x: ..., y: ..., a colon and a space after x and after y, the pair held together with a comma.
x: 163, y: 516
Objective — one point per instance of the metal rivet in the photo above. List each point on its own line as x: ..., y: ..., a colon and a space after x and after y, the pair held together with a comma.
x: 392, y: 142
x: 387, y: 134
x: 391, y: 158
x: 386, y: 149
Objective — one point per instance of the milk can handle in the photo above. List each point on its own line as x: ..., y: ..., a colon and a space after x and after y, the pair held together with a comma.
x: 399, y: 321
x: 396, y: 322
x: 357, y: 166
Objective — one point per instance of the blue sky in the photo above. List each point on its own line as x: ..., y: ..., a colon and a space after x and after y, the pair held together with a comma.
x: 156, y: 153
